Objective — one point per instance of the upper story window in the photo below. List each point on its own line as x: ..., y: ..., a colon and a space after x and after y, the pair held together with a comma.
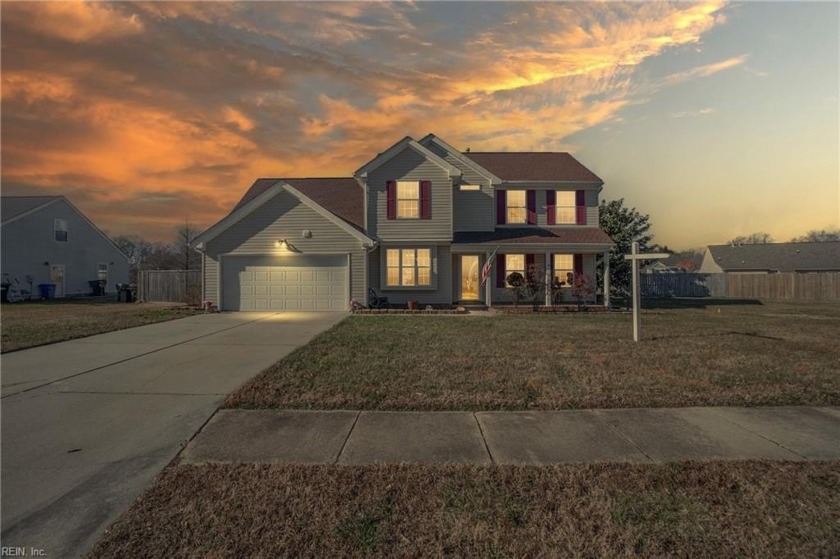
x: 61, y: 231
x: 408, y: 267
x: 517, y: 206
x: 408, y: 199
x: 566, y: 208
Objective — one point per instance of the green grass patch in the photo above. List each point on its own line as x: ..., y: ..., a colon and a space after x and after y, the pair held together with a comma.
x: 774, y: 353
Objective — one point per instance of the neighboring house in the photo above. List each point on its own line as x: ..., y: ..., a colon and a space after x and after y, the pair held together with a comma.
x: 772, y: 258
x: 46, y: 239
x: 660, y: 267
x: 416, y: 223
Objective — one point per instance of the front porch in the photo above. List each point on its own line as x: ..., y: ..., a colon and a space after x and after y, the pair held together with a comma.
x: 549, y: 274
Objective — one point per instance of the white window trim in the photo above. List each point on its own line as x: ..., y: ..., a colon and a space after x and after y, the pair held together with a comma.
x: 432, y: 269
x: 524, y: 207
x: 509, y: 270
x: 554, y: 268
x: 558, y: 207
x: 65, y: 230
x: 417, y: 199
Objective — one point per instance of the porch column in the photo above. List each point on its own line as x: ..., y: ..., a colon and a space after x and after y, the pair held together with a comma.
x: 488, y: 285
x: 607, y: 279
x: 549, y: 277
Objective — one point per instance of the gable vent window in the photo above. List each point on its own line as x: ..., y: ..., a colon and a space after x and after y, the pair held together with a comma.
x: 470, y: 187
x: 61, y: 231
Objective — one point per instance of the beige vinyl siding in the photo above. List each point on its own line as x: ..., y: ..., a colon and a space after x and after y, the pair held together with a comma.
x: 473, y: 210
x: 441, y: 291
x: 211, y: 279
x: 592, y: 208
x: 285, y: 217
x: 373, y: 272
x: 410, y: 166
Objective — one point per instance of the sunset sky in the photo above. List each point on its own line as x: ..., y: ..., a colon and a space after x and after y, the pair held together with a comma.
x: 716, y: 119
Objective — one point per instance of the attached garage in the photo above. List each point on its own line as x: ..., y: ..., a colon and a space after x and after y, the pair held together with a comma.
x: 297, y: 283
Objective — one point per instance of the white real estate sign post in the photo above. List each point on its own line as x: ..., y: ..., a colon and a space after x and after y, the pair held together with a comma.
x: 634, y: 257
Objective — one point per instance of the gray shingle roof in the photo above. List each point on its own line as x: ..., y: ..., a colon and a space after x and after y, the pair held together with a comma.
x: 12, y: 206
x: 782, y: 257
x: 533, y: 166
x: 341, y: 196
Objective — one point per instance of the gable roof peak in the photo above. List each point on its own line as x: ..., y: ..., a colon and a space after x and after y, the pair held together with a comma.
x: 396, y: 149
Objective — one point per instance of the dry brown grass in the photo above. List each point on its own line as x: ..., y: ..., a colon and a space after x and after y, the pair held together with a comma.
x: 719, y: 509
x: 775, y: 353
x: 33, y: 324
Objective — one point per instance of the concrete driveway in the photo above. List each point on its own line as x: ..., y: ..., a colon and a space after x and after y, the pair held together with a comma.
x: 87, y: 424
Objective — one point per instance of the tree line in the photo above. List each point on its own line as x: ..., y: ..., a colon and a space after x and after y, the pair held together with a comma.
x: 174, y: 255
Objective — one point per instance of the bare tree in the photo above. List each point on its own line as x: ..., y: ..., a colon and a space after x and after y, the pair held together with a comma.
x: 818, y: 236
x: 752, y: 239
x: 183, y: 245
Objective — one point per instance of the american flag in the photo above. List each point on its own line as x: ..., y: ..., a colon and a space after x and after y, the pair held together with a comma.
x: 485, y: 270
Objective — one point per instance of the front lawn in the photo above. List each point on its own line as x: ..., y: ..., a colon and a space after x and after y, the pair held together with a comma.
x: 725, y: 353
x: 33, y: 324
x: 712, y: 509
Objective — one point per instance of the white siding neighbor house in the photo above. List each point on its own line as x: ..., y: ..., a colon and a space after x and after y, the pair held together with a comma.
x: 418, y: 223
x: 47, y: 240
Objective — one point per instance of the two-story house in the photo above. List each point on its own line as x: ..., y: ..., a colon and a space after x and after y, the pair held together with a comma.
x: 416, y: 223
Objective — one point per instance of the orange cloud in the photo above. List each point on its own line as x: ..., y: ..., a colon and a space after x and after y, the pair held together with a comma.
x: 194, y: 112
x: 74, y: 21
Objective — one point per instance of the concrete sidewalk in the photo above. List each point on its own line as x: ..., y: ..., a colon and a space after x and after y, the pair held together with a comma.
x: 88, y: 424
x: 535, y: 438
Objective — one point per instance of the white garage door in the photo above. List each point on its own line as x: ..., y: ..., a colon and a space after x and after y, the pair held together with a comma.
x: 304, y: 283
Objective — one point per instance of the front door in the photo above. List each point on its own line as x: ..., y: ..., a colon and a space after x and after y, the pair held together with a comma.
x: 57, y: 278
x: 469, y: 277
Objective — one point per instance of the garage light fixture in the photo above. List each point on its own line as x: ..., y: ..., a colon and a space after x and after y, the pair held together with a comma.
x: 280, y: 242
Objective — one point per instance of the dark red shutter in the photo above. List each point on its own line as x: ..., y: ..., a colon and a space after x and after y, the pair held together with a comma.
x: 531, y: 199
x: 551, y: 206
x: 529, y: 263
x: 500, y: 270
x: 392, y: 199
x: 501, y: 207
x: 578, y: 264
x: 580, y: 206
x: 425, y: 199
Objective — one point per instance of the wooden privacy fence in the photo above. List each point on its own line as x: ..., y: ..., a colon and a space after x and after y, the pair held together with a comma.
x: 169, y: 286
x: 815, y: 286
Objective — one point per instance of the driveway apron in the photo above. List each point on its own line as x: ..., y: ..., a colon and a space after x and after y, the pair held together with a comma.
x: 88, y: 424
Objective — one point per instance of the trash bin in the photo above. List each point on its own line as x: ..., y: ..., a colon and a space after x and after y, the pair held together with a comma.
x: 47, y: 290
x: 96, y: 288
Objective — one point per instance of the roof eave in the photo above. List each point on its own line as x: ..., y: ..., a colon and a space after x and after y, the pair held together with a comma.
x: 494, y: 180
x: 396, y: 149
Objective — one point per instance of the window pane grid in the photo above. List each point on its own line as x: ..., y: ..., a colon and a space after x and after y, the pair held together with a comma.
x: 408, y: 199
x: 517, y: 211
x: 408, y: 267
x: 565, y: 211
x: 563, y: 267
x: 514, y: 263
